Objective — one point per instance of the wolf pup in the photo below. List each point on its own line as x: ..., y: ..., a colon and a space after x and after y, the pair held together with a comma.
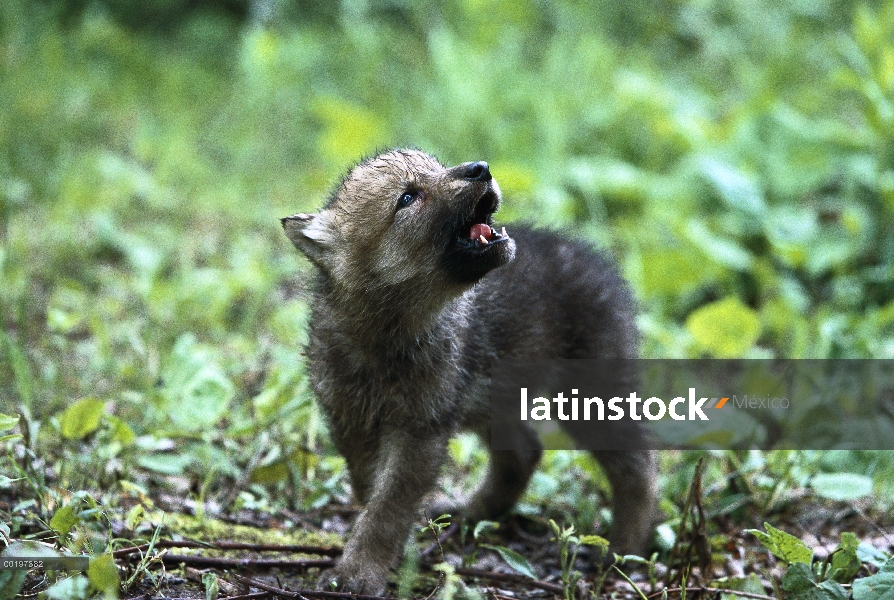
x: 418, y: 292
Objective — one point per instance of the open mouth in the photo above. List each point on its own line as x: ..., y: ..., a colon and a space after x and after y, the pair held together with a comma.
x: 477, y: 230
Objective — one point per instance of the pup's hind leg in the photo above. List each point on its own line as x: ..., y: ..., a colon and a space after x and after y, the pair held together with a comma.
x: 508, y: 473
x: 632, y: 474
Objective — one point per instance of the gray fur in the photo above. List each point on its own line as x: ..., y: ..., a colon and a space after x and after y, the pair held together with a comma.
x: 406, y: 321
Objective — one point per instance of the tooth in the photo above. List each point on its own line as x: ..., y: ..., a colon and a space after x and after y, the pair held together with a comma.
x: 483, y: 239
x: 503, y: 232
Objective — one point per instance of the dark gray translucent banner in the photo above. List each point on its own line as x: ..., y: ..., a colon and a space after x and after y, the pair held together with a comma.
x: 620, y: 404
x: 60, y: 563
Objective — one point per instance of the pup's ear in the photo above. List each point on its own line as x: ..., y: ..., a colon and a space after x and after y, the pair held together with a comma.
x: 311, y: 234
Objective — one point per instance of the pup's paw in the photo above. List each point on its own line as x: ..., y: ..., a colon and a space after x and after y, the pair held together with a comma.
x: 361, y: 580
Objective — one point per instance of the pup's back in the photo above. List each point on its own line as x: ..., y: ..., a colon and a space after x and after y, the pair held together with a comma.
x: 557, y: 299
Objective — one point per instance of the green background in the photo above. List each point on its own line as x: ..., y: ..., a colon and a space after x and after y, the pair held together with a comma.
x: 736, y: 157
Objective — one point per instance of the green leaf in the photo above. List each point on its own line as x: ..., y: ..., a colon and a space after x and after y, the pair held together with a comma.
x: 81, y: 418
x: 272, y: 473
x: 64, y: 519
x: 594, y: 540
x: 8, y: 421
x: 135, y: 516
x: 845, y: 563
x: 167, y: 463
x: 666, y: 536
x: 849, y: 542
x: 20, y: 368
x: 751, y: 584
x: 726, y: 328
x: 718, y: 248
x: 197, y: 393
x: 800, y: 581
x: 841, y: 487
x: 279, y: 470
x: 783, y: 545
x: 10, y: 583
x: 735, y: 187
x: 672, y: 272
x: 828, y: 590
x: 103, y: 575
x: 870, y: 554
x: 209, y: 580
x: 121, y: 431
x: 514, y: 560
x: 876, y: 587
x: 481, y: 526
x: 30, y: 549
x: 71, y: 588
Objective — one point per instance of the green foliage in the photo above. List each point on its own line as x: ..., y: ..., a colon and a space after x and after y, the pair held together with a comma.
x: 409, y: 570
x: 513, y: 559
x: 81, y: 418
x: 783, y: 545
x: 196, y: 393
x: 70, y: 588
x: 808, y: 580
x: 569, y: 545
x: 209, y: 580
x: 720, y: 164
x: 103, y: 575
x: 876, y: 587
x: 800, y: 583
x: 726, y: 328
x: 437, y: 525
x: 8, y: 422
x: 63, y: 520
x: 11, y: 582
x: 845, y: 560
x: 843, y: 487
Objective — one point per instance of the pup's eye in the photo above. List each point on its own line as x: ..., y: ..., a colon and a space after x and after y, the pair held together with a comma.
x: 406, y: 199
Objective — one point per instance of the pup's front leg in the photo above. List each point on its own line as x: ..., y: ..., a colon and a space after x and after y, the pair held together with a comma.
x: 408, y: 468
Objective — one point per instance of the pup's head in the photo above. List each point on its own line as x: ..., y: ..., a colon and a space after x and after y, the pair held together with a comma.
x: 402, y: 217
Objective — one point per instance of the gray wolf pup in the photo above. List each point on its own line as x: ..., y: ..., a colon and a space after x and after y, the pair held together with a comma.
x: 417, y: 294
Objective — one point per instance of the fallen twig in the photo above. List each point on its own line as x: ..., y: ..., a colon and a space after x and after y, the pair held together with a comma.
x: 264, y: 594
x: 301, y: 593
x: 710, y: 590
x: 511, y: 577
x: 257, y: 563
x: 245, y: 563
x: 323, y: 551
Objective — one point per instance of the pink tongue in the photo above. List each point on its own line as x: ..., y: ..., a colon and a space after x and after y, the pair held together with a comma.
x: 479, y: 229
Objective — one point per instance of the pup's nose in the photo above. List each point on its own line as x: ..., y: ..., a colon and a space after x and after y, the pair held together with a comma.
x: 478, y: 171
